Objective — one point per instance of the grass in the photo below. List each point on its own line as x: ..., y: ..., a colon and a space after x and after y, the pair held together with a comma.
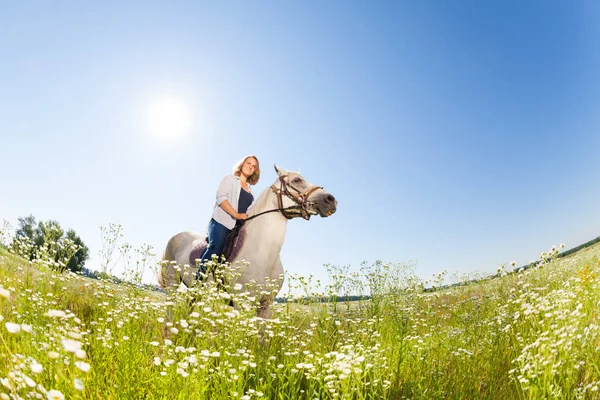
x: 528, y: 335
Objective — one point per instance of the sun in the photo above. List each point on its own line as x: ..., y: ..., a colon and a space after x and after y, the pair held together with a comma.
x: 169, y: 117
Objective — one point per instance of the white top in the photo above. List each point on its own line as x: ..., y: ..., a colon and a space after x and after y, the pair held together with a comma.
x: 229, y: 190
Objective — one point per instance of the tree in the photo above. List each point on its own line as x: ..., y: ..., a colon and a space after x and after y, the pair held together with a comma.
x: 50, y: 231
x: 78, y: 260
x: 47, y: 234
x: 27, y: 229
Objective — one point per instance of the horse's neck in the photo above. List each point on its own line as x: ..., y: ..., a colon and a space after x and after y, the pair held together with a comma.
x: 266, y: 233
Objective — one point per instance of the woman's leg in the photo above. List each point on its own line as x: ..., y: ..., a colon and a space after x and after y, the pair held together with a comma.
x: 217, y: 234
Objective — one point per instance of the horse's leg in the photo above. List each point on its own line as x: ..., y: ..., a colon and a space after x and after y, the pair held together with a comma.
x: 166, y: 334
x: 173, y: 277
x: 264, y: 308
x: 189, y: 275
x: 172, y: 282
x: 273, y: 287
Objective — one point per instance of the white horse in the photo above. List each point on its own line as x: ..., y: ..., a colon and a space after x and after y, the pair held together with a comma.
x: 289, y: 197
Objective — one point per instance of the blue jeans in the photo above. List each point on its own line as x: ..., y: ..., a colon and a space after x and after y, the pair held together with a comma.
x: 217, y: 234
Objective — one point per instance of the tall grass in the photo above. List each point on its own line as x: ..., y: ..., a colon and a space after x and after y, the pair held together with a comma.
x: 528, y: 335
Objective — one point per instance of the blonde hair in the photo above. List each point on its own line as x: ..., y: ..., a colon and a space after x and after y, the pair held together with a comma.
x: 252, y: 179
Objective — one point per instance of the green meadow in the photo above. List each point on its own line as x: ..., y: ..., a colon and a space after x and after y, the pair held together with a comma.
x: 527, y: 334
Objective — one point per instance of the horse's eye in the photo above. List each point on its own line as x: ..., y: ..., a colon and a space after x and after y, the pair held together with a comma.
x: 297, y: 180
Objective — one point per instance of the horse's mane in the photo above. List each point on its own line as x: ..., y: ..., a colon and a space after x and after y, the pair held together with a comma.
x: 261, y: 203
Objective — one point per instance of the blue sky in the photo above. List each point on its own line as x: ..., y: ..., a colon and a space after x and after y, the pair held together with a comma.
x: 461, y: 135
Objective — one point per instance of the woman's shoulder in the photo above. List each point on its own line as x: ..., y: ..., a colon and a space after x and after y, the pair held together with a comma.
x: 230, y: 177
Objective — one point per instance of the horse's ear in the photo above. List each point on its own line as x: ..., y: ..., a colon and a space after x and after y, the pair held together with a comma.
x: 278, y: 170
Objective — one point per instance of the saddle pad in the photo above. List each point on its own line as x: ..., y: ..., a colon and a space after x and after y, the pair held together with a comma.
x: 234, y: 246
x: 197, y: 250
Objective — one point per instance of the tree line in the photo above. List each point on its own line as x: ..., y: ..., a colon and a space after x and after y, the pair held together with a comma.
x: 65, y: 248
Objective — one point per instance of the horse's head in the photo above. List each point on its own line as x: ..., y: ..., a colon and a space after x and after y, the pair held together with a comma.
x: 301, y: 198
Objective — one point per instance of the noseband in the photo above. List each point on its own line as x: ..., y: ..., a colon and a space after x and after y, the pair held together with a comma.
x: 298, y: 197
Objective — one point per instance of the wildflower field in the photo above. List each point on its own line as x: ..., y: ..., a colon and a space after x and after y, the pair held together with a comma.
x: 528, y: 334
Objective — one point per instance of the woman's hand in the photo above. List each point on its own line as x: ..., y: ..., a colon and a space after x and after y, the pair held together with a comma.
x: 231, y: 211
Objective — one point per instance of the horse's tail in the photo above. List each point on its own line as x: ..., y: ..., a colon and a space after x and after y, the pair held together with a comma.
x: 165, y: 263
x: 162, y: 272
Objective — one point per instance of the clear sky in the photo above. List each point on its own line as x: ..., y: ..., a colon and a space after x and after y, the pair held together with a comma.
x: 459, y: 134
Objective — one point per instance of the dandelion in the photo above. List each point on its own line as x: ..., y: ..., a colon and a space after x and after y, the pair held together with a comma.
x: 6, y: 383
x: 4, y: 293
x: 182, y: 372
x: 55, y: 395
x: 36, y: 368
x: 85, y: 367
x: 11, y: 327
x: 55, y: 314
x: 71, y: 345
x: 586, y: 276
x: 28, y: 381
x: 78, y: 384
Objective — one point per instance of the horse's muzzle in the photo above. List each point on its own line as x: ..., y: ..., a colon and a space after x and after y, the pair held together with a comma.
x: 325, y: 204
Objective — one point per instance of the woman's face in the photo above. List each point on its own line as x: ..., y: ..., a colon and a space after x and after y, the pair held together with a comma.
x: 249, y: 167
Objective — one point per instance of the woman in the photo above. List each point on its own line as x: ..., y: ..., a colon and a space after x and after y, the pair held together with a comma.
x: 234, y: 198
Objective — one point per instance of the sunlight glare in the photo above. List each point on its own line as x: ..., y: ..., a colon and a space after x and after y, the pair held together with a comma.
x: 169, y: 117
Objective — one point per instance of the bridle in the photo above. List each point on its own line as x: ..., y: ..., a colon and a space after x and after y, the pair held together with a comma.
x: 300, y: 198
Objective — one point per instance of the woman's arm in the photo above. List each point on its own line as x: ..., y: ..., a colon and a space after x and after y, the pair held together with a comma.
x: 224, y: 192
x: 231, y: 211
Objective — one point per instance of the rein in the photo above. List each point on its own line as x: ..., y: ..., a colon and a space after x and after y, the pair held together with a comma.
x: 269, y: 211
